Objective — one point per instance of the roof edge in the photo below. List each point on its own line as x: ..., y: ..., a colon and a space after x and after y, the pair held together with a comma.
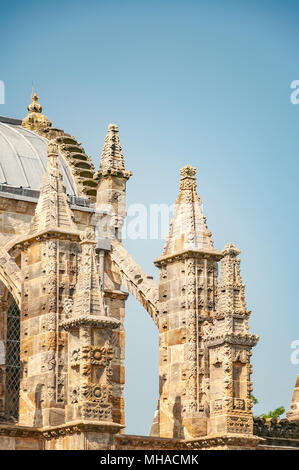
x: 8, y: 120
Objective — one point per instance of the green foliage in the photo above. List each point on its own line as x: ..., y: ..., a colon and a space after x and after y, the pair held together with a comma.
x: 274, y: 414
x: 271, y: 414
x: 254, y: 399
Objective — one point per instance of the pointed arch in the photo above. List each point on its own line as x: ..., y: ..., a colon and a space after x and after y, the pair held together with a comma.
x: 135, y: 280
x: 10, y: 275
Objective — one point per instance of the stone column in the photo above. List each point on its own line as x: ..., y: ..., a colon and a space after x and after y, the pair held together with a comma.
x: 187, y: 294
x: 47, y: 265
x: 228, y: 342
x: 41, y: 342
x: 188, y: 284
x: 90, y: 397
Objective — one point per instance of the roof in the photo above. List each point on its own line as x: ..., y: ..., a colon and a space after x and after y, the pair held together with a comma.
x: 23, y: 158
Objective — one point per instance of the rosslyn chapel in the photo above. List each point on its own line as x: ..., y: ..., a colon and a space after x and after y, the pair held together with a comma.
x: 64, y: 279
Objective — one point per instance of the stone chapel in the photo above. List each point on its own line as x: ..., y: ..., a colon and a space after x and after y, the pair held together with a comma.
x: 64, y: 279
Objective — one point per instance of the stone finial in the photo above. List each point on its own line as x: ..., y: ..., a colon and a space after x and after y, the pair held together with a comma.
x: 188, y: 177
x: 35, y: 120
x: 112, y: 159
x: 230, y: 250
x: 35, y: 106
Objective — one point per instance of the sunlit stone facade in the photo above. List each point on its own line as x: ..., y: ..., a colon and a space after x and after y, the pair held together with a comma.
x: 62, y: 307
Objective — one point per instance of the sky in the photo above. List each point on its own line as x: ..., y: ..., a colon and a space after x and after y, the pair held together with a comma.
x: 201, y: 82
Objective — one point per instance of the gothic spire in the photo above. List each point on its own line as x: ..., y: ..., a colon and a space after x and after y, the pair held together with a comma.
x: 231, y: 290
x: 112, y: 159
x: 35, y: 120
x: 52, y: 212
x: 188, y: 228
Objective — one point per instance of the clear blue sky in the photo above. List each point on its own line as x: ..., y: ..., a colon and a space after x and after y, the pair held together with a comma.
x: 199, y: 82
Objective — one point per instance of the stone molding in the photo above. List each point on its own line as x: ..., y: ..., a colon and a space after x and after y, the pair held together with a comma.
x: 185, y: 254
x: 91, y: 321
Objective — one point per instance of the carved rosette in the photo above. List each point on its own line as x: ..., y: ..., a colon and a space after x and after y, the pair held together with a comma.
x: 95, y: 389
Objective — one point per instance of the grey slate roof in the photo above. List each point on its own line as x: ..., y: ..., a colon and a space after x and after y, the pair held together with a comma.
x: 23, y: 158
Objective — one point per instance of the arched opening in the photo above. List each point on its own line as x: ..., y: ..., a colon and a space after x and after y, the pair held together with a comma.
x: 142, y: 369
x: 10, y: 366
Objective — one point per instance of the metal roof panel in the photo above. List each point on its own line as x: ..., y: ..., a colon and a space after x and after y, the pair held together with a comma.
x: 23, y: 158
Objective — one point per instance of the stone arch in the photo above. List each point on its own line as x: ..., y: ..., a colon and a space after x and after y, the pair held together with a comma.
x: 142, y: 368
x: 10, y: 275
x: 135, y: 280
x: 122, y: 270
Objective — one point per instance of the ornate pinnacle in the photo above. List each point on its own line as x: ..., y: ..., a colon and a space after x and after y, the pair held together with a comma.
x: 112, y: 159
x: 35, y: 106
x: 231, y: 290
x: 188, y: 172
x: 188, y: 228
x: 88, y: 299
x: 112, y: 156
x: 35, y: 120
x: 52, y: 212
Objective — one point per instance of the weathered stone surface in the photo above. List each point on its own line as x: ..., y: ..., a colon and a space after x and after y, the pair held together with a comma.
x: 35, y: 120
x: 66, y: 289
x: 187, y: 296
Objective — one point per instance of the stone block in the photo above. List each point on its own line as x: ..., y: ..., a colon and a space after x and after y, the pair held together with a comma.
x: 177, y: 354
x: 34, y: 365
x: 176, y: 336
x: 195, y: 426
x: 7, y: 443
x: 34, y: 252
x: 22, y: 443
x: 118, y: 375
x: 53, y: 416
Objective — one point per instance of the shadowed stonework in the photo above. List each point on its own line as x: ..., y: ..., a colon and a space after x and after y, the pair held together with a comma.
x: 62, y: 338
